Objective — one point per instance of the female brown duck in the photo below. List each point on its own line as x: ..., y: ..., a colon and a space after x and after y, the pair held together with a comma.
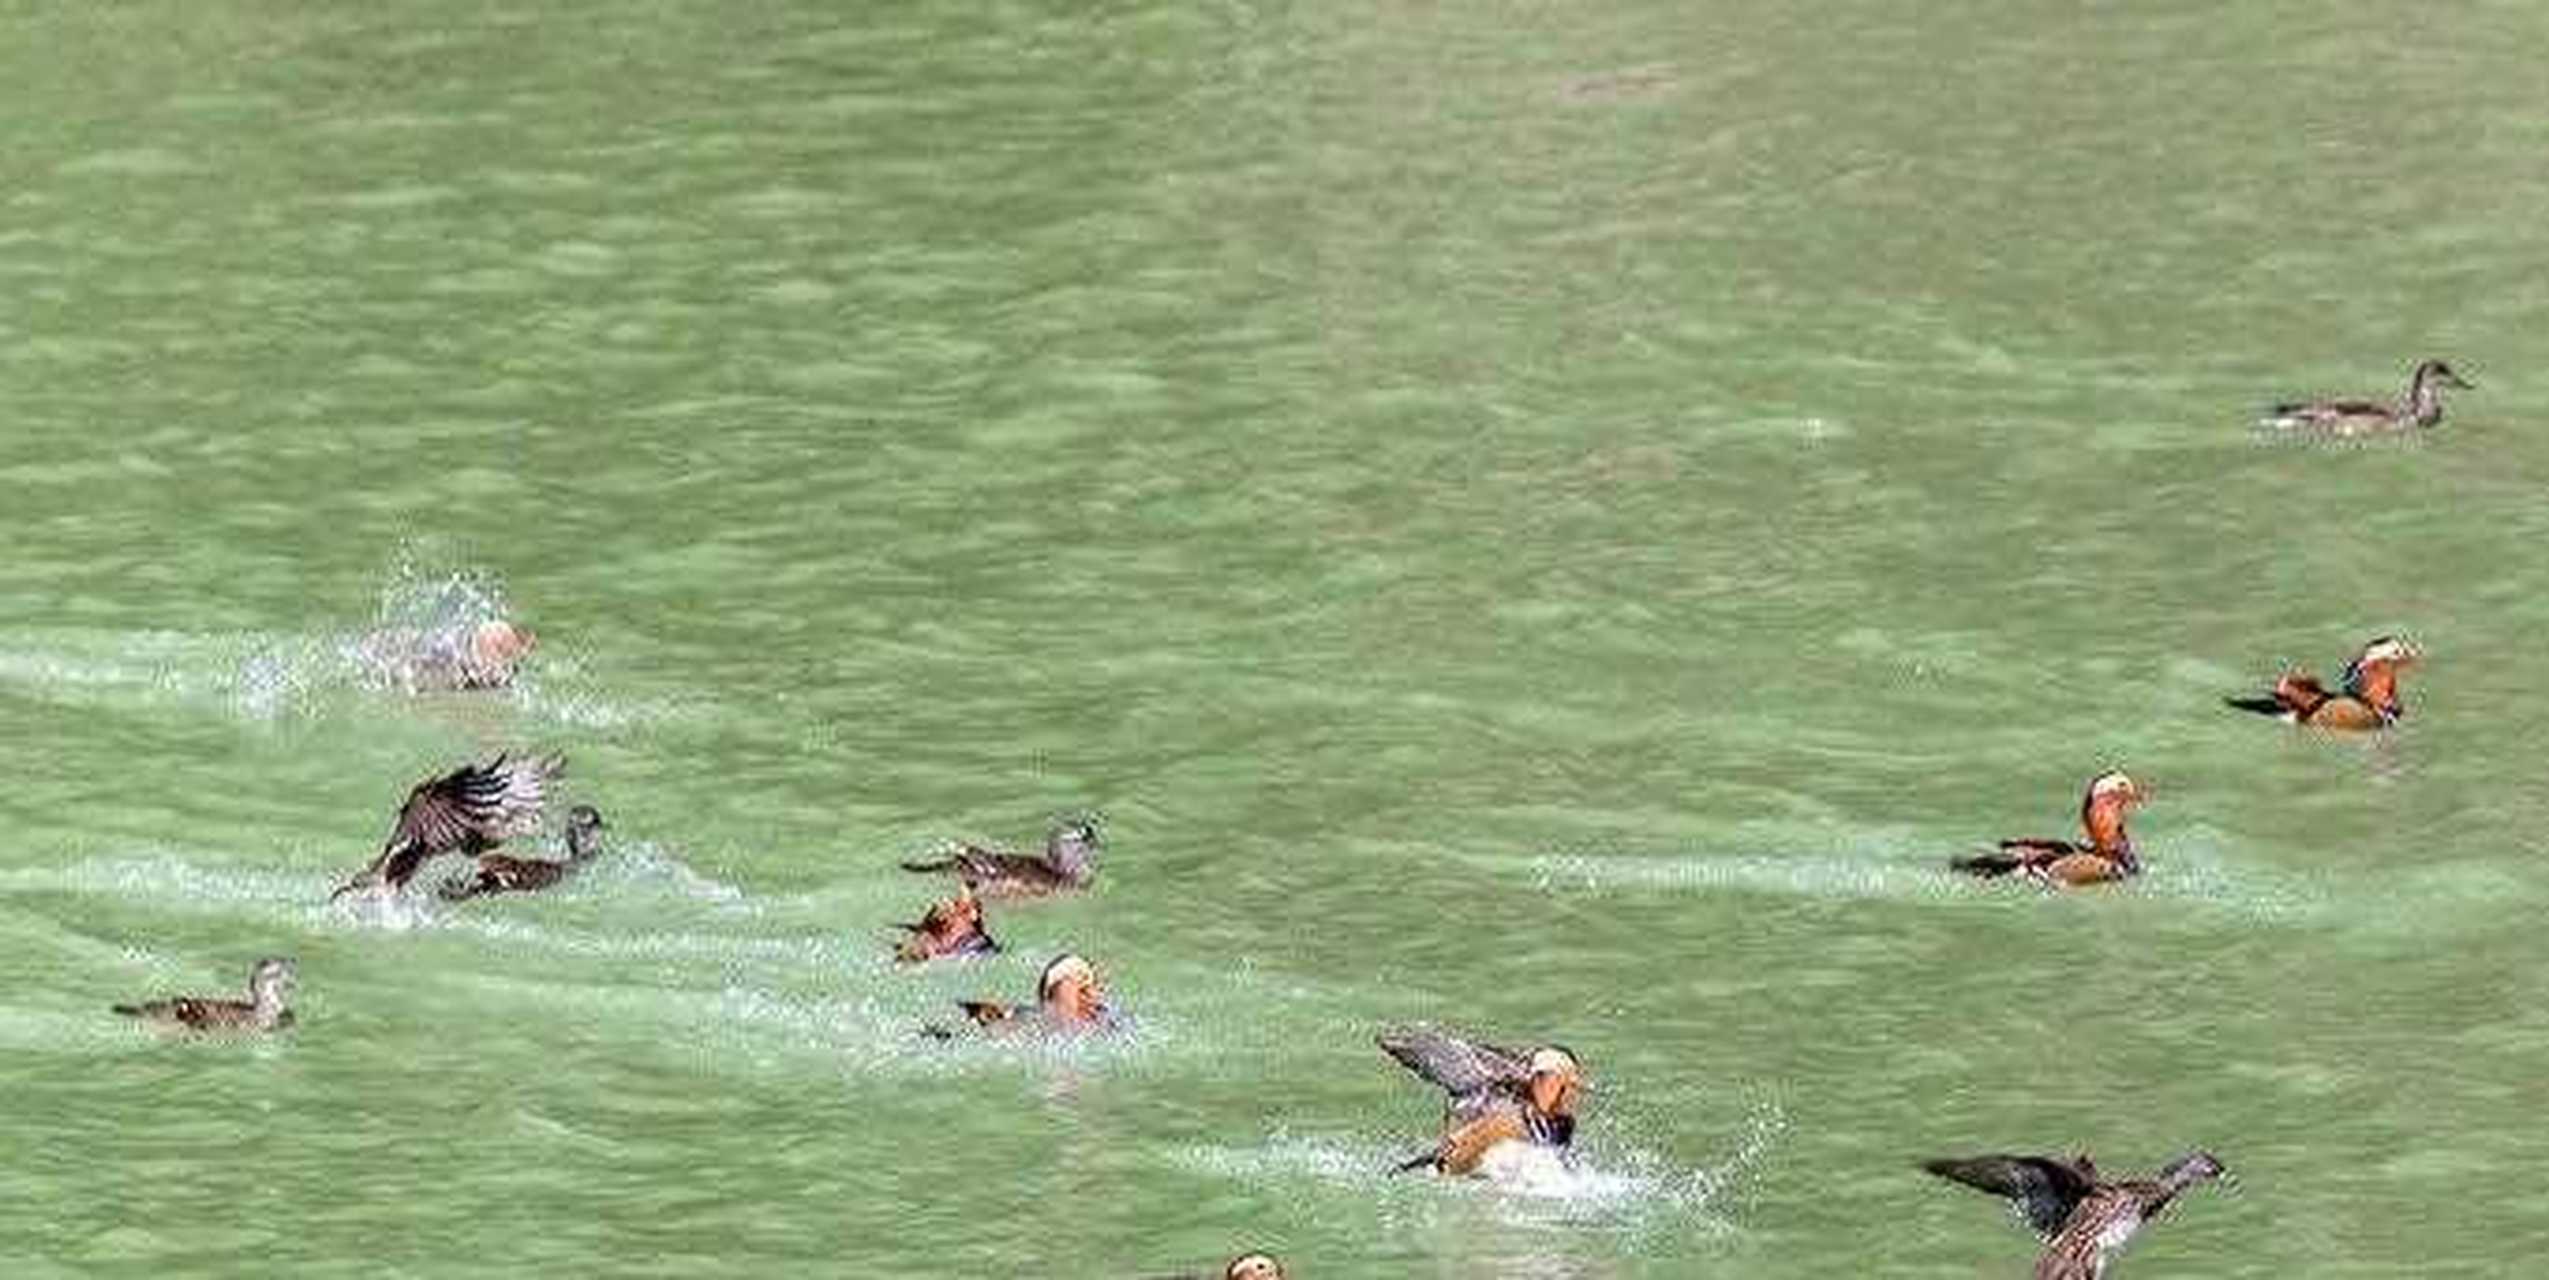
x: 2082, y: 1220
x: 1068, y: 860
x: 269, y: 985
x: 2421, y: 406
x: 504, y: 873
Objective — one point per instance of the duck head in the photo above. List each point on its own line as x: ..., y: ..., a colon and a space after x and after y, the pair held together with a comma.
x: 2189, y: 1169
x: 1070, y: 991
x: 270, y: 984
x: 2110, y: 796
x: 1556, y: 1080
x: 2373, y: 675
x: 1071, y: 848
x: 498, y: 643
x: 1253, y: 1266
x: 584, y: 827
x: 2438, y: 373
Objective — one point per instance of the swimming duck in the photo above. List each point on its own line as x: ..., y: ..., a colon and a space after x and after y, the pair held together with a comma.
x: 2082, y: 1220
x: 469, y: 810
x: 951, y: 928
x: 269, y: 984
x: 1500, y: 1101
x: 1068, y: 860
x: 1069, y: 1001
x: 2422, y: 406
x: 2369, y: 698
x: 483, y: 656
x: 2107, y: 856
x: 504, y: 873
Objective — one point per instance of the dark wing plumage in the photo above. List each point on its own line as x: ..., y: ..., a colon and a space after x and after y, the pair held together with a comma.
x: 475, y: 805
x: 2014, y: 855
x: 2045, y: 1189
x: 194, y: 1012
x: 470, y: 809
x: 1462, y: 1068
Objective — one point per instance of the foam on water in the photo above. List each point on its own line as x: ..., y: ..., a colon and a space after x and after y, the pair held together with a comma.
x: 1603, y: 1182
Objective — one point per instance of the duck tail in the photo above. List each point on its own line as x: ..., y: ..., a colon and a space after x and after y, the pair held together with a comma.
x: 1987, y: 865
x: 2262, y: 704
x: 128, y: 1010
x: 1426, y: 1161
x: 943, y: 864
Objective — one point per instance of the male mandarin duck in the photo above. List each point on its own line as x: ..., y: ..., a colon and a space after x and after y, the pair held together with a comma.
x: 269, y: 985
x: 1069, y: 1001
x: 504, y: 873
x: 469, y: 810
x: 2082, y: 1220
x: 1501, y: 1103
x: 1068, y: 860
x: 951, y: 928
x: 2421, y: 406
x: 2368, y: 697
x: 2108, y: 855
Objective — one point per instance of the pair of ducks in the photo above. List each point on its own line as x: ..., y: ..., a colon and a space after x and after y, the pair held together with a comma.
x: 955, y: 927
x: 473, y: 810
x: 470, y: 810
x: 2367, y: 698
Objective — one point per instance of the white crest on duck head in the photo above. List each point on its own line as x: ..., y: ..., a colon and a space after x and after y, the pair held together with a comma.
x: 1551, y: 1060
x: 1253, y: 1266
x: 1064, y: 968
x: 2390, y: 649
x: 2114, y: 782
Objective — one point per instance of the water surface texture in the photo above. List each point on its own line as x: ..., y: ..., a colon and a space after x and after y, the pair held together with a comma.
x: 1557, y: 518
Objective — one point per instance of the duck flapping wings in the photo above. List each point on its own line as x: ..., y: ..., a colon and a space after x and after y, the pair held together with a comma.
x: 468, y: 810
x: 1472, y: 1073
x: 2044, y: 1189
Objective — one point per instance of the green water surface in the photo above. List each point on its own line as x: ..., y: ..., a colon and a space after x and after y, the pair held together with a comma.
x: 1554, y: 518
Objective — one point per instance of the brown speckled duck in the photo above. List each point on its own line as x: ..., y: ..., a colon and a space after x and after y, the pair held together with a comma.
x: 504, y: 873
x: 2082, y: 1220
x: 1069, y: 1001
x: 951, y: 928
x: 2421, y: 406
x: 269, y: 985
x: 1499, y: 1100
x: 1068, y: 860
x: 2368, y: 698
x: 469, y: 810
x: 2108, y: 855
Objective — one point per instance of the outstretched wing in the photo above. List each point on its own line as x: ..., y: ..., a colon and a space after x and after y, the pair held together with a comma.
x: 2045, y: 1189
x: 1461, y: 1068
x: 474, y: 806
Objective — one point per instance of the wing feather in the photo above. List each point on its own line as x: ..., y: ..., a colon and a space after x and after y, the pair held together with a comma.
x: 1461, y: 1068
x: 2045, y: 1189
